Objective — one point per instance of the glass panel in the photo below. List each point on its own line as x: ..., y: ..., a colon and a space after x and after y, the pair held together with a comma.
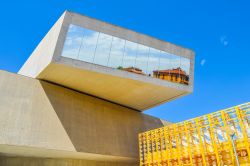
x: 185, y: 70
x: 130, y: 51
x: 175, y: 61
x: 164, y: 66
x: 142, y: 59
x: 153, y: 62
x: 175, y: 72
x: 103, y: 49
x: 73, y: 42
x: 99, y: 48
x: 88, y: 47
x: 169, y: 67
x: 116, y: 53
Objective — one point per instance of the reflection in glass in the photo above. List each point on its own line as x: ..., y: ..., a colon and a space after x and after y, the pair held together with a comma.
x: 130, y: 52
x: 73, y: 42
x: 175, y: 61
x: 116, y: 53
x: 153, y: 61
x: 141, y: 62
x: 106, y: 50
x: 169, y: 69
x: 88, y: 47
x: 175, y: 73
x: 185, y: 66
x: 164, y: 67
x: 103, y: 49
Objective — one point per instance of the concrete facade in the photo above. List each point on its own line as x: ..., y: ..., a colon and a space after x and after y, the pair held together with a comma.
x: 40, y: 119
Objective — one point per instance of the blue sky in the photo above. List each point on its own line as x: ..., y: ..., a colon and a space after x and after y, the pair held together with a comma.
x: 217, y: 30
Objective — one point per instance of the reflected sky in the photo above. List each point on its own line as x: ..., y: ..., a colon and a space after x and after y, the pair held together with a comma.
x: 116, y: 52
x: 102, y: 51
x: 106, y: 50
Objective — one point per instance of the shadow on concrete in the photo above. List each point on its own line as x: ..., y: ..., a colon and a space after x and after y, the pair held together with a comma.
x: 97, y: 126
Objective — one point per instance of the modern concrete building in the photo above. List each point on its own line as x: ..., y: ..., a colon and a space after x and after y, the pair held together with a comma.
x: 78, y: 99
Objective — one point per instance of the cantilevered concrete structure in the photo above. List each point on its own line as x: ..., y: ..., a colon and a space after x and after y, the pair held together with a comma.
x: 88, y: 69
x: 78, y: 99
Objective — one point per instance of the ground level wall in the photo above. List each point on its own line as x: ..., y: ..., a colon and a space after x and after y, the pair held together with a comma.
x: 23, y: 161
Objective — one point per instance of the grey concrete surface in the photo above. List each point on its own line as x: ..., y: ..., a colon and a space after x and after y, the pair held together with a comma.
x: 132, y: 93
x: 22, y: 161
x: 54, y: 120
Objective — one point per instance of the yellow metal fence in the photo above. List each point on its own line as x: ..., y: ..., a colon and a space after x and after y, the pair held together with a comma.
x: 203, y: 141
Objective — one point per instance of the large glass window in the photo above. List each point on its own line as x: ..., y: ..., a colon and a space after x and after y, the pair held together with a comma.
x: 106, y: 50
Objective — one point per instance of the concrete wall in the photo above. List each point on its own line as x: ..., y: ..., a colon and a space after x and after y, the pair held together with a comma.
x: 21, y: 161
x: 41, y: 115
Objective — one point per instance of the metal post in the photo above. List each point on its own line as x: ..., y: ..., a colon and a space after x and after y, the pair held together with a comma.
x: 235, y: 152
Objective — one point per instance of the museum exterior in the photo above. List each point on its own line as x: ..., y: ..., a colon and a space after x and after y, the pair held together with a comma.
x: 79, y: 98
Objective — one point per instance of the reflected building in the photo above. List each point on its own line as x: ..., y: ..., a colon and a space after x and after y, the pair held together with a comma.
x: 133, y: 70
x: 80, y: 96
x: 174, y: 75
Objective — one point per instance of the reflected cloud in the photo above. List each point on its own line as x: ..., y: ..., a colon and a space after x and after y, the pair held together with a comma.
x: 203, y: 61
x: 224, y: 40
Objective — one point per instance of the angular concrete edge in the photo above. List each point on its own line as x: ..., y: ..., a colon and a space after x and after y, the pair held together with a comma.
x: 131, y: 93
x: 44, y: 52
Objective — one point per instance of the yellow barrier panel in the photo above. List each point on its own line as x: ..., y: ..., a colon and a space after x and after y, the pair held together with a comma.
x: 203, y: 141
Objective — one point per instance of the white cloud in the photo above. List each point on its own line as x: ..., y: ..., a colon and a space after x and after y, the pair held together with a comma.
x: 203, y: 61
x: 224, y: 40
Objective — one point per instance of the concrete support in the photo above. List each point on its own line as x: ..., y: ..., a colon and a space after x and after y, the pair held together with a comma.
x: 41, y: 119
